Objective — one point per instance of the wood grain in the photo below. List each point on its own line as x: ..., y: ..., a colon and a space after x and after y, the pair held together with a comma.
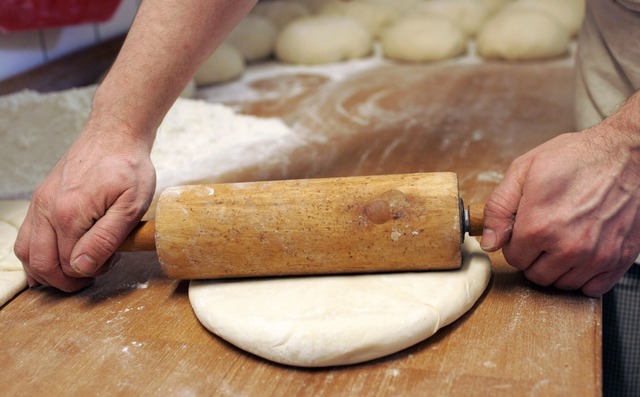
x: 364, y: 224
x: 133, y: 332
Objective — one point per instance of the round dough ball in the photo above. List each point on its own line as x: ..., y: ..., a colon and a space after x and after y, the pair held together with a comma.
x: 469, y: 14
x: 339, y: 320
x: 569, y: 13
x: 423, y: 38
x: 323, y: 39
x: 400, y: 5
x: 281, y: 12
x: 374, y: 17
x: 316, y: 5
x: 493, y: 5
x: 254, y: 37
x: 225, y: 64
x: 522, y: 35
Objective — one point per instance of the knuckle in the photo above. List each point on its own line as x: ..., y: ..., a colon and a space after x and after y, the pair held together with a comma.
x: 497, y: 207
x: 105, y: 242
x: 596, y: 288
x: 536, y: 277
x: 21, y: 250
x: 513, y: 258
x: 42, y: 267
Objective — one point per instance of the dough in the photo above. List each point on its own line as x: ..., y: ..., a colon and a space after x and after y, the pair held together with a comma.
x: 337, y: 320
x: 400, y: 5
x: 281, y: 12
x: 518, y: 34
x: 316, y: 5
x: 493, y: 5
x: 13, y: 279
x: 423, y: 38
x: 569, y: 13
x: 225, y: 64
x: 469, y: 14
x: 374, y: 17
x: 254, y: 37
x: 323, y: 39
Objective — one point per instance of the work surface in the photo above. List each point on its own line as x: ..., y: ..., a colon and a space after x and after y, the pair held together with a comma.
x: 134, y: 332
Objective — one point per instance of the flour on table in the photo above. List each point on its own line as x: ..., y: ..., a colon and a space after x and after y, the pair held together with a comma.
x: 197, y: 140
x: 200, y: 141
x: 338, y: 320
x: 36, y: 131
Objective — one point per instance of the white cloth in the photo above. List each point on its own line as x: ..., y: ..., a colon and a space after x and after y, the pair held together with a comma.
x: 608, y: 61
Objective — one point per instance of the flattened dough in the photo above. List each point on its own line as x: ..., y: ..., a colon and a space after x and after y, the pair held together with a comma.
x: 338, y: 320
x: 13, y: 279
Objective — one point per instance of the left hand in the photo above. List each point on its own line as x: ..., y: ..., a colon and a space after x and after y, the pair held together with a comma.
x: 568, y: 212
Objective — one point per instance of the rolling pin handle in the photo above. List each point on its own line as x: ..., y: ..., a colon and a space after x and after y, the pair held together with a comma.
x: 141, y: 238
x: 474, y: 219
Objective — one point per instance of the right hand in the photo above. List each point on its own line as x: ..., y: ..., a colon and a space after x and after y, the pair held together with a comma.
x: 567, y: 212
x: 85, y: 208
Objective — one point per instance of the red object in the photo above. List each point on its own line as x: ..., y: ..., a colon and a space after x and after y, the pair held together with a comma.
x: 16, y: 15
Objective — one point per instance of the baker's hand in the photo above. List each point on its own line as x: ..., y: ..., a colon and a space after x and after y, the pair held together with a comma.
x: 85, y: 208
x: 567, y: 213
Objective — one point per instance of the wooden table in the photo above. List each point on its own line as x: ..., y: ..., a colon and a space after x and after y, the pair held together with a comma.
x: 134, y: 332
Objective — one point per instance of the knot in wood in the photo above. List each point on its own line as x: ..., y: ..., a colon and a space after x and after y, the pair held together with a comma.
x: 378, y: 211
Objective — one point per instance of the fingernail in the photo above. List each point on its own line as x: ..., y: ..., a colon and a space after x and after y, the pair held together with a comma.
x: 84, y: 264
x: 488, y: 241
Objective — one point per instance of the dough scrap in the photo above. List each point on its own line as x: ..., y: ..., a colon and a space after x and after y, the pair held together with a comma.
x: 338, y: 320
x: 13, y: 279
x: 518, y: 34
x: 323, y: 39
x: 423, y: 38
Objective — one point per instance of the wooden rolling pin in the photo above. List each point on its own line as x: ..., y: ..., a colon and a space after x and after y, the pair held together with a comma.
x: 366, y: 224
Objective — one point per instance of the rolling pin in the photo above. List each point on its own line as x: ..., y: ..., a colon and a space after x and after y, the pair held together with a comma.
x: 364, y: 224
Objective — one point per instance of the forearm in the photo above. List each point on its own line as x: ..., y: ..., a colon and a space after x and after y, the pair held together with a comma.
x: 167, y: 42
x: 624, y: 124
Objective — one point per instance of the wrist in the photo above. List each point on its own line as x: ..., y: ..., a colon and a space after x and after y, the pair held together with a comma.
x: 114, y: 129
x: 625, y: 122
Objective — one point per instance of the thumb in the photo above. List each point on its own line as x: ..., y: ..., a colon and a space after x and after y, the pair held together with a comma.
x: 100, y: 243
x: 500, y: 211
